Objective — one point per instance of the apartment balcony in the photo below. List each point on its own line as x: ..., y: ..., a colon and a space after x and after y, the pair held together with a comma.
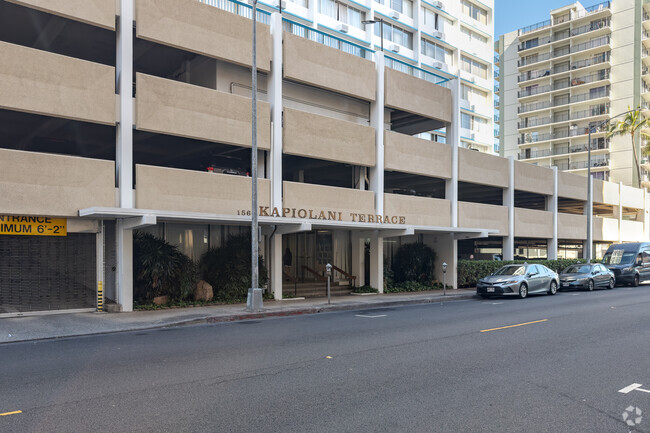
x: 536, y: 106
x: 591, y: 27
x: 533, y: 154
x: 580, y: 149
x: 602, y: 75
x: 537, y: 90
x: 533, y: 75
x: 534, y: 137
x: 603, y: 58
x: 533, y: 59
x: 533, y: 122
x: 587, y: 96
x: 603, y: 8
x: 596, y: 164
x: 531, y: 45
x: 593, y: 45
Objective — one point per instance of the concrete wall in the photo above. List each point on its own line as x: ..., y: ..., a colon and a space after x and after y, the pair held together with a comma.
x: 195, y: 191
x: 200, y: 28
x: 318, y: 197
x: 571, y: 226
x: 631, y: 197
x: 423, y: 211
x: 309, y: 62
x: 606, y: 192
x: 532, y: 178
x: 53, y: 185
x: 39, y: 82
x: 531, y: 223
x: 481, y: 168
x: 631, y: 231
x: 605, y: 229
x: 572, y: 186
x: 95, y: 12
x: 322, y: 137
x: 411, y: 94
x: 478, y: 215
x: 185, y: 110
x: 417, y: 156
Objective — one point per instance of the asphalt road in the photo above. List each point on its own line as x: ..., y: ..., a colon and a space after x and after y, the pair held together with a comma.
x: 425, y: 368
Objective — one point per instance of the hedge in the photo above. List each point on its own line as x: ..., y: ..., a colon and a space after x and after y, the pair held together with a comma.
x: 470, y: 271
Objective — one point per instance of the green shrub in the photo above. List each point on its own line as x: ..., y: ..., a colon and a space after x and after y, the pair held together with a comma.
x: 364, y: 289
x: 470, y: 271
x: 228, y: 268
x: 160, y: 269
x: 414, y: 263
x: 408, y: 286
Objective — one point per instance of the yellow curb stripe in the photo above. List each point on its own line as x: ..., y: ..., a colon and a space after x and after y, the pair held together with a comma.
x: 513, y: 326
x: 11, y: 413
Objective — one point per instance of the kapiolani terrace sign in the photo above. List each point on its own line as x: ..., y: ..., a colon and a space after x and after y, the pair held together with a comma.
x: 292, y: 212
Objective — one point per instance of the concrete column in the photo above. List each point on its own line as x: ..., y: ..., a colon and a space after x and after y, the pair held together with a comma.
x: 124, y: 154
x: 358, y: 257
x: 124, y: 268
x: 619, y: 210
x: 589, y: 211
x: 453, y: 138
x: 509, y: 201
x: 646, y: 216
x: 377, y: 262
x: 446, y: 248
x: 551, y: 206
x: 99, y: 255
x: 275, y: 99
x: 276, y: 265
x: 377, y: 122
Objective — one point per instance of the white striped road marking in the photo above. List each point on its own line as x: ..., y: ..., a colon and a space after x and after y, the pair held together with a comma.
x: 633, y: 387
x: 370, y: 317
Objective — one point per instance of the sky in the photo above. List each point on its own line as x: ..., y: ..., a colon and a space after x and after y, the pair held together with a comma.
x: 513, y: 14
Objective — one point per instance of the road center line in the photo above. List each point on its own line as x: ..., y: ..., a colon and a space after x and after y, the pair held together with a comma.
x: 513, y: 326
x: 11, y: 413
x: 370, y: 317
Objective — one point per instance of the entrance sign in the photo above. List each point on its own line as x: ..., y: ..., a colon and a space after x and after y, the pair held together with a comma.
x: 33, y: 226
x: 266, y: 211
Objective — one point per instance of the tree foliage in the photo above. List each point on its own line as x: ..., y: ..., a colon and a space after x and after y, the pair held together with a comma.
x: 414, y: 262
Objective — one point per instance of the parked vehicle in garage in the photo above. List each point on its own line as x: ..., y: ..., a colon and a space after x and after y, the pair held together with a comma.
x: 519, y: 280
x: 629, y: 262
x: 587, y: 277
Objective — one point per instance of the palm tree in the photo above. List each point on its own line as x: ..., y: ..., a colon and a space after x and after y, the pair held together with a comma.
x: 631, y: 123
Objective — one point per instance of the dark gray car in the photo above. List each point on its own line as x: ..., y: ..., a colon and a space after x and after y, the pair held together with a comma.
x: 587, y: 277
x: 518, y: 280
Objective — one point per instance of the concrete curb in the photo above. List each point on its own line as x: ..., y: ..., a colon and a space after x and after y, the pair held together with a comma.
x: 295, y: 311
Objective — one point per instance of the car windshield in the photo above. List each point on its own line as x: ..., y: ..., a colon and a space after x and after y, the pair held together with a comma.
x: 511, y: 270
x: 578, y: 269
x: 619, y: 257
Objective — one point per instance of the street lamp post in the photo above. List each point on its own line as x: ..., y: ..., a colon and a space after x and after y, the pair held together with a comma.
x: 254, y: 299
x: 381, y: 29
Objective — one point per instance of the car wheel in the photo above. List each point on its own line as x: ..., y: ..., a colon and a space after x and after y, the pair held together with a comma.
x: 523, y: 290
x: 612, y: 283
x: 636, y: 281
x: 553, y: 289
x: 590, y: 285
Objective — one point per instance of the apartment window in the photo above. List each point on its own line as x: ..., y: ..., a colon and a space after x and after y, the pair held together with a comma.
x: 341, y: 12
x: 474, y: 67
x: 474, y: 11
x: 396, y: 34
x: 473, y: 36
x: 473, y: 123
x: 531, y: 43
x: 402, y: 6
x: 433, y: 19
x: 473, y: 95
x: 436, y: 51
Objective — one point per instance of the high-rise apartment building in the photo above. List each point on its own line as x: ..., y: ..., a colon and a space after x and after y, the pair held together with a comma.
x: 568, y: 74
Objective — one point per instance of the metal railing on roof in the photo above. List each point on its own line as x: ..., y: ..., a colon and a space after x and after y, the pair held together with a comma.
x: 239, y: 8
x: 598, y: 7
x: 423, y: 74
x: 326, y: 39
x: 533, y: 27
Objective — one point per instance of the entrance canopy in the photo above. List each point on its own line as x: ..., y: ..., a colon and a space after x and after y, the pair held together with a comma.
x: 137, y: 218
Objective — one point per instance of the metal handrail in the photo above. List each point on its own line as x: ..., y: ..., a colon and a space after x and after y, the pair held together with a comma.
x: 315, y: 273
x: 239, y: 8
x: 326, y: 39
x: 350, y: 277
x: 413, y: 70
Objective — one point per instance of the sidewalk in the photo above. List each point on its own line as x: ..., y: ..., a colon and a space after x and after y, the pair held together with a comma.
x: 28, y: 328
